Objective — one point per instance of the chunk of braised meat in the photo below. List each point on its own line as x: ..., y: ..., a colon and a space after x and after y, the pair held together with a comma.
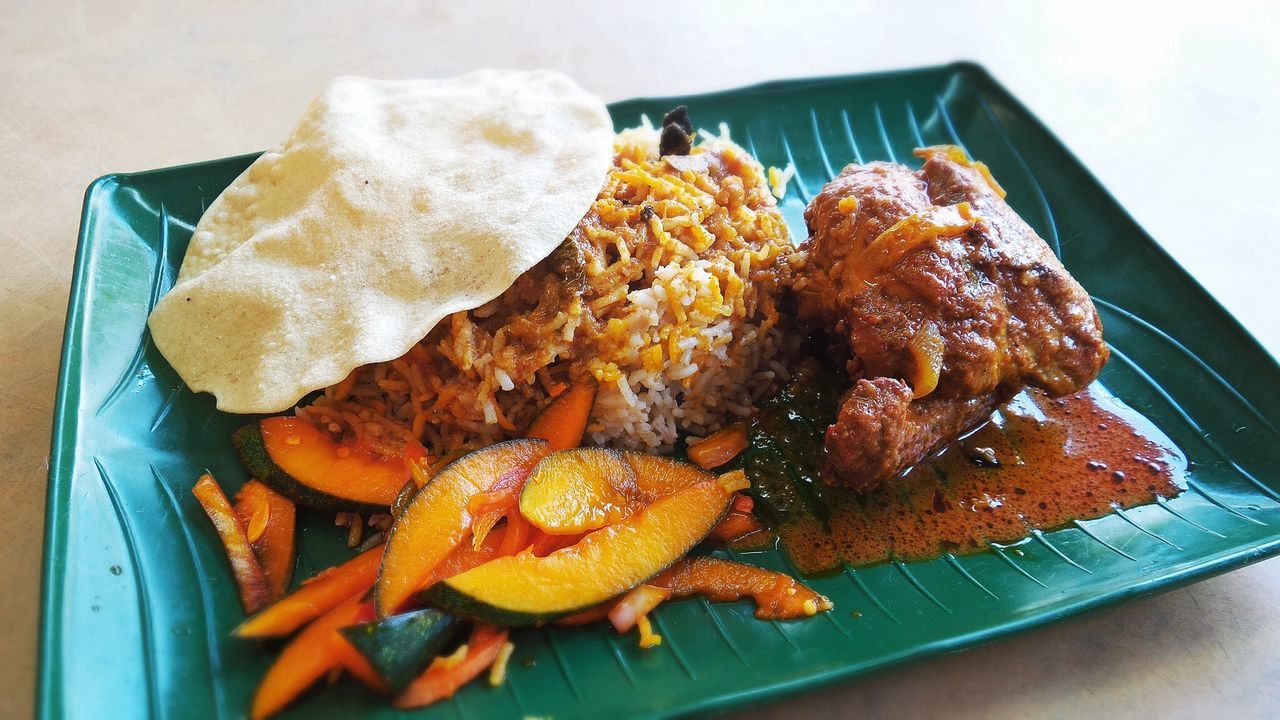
x: 882, y: 430
x: 949, y: 302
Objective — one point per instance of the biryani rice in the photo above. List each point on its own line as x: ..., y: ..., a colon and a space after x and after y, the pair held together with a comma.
x: 666, y: 293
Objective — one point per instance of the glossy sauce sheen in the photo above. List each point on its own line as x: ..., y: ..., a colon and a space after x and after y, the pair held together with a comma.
x: 1039, y: 463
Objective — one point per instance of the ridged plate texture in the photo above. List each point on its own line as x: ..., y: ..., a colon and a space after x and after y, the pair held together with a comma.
x: 139, y: 601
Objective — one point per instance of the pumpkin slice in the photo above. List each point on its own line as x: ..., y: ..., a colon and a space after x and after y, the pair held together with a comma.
x: 318, y: 595
x: 300, y: 462
x: 658, y: 477
x: 400, y: 647
x: 269, y: 519
x: 583, y: 489
x: 436, y: 521
x: 573, y: 491
x: 466, y: 556
x: 524, y: 589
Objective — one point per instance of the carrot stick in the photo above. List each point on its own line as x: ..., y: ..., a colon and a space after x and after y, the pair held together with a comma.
x: 736, y: 525
x: 542, y: 544
x: 354, y: 662
x: 720, y: 447
x: 517, y: 537
x: 564, y: 421
x: 637, y: 604
x: 250, y: 579
x: 307, y: 658
x: 269, y: 519
x: 777, y: 596
x: 442, y: 679
x: 317, y: 596
x: 586, y: 617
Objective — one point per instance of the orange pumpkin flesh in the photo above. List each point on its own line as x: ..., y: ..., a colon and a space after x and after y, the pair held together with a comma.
x: 275, y: 542
x: 436, y: 521
x: 312, y: 459
x: 573, y: 491
x: 524, y: 589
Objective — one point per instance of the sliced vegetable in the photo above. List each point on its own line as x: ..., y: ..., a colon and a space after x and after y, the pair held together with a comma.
x: 270, y: 519
x: 542, y: 544
x: 445, y: 676
x: 387, y: 645
x: 777, y: 596
x: 635, y: 605
x: 307, y: 658
x: 573, y: 491
x: 659, y: 476
x: 436, y: 521
x: 297, y: 460
x: 596, y: 614
x: 422, y: 473
x: 403, y: 497
x: 487, y: 510
x: 561, y: 424
x: 354, y: 524
x: 517, y: 538
x: 564, y: 421
x: 720, y: 447
x: 489, y: 507
x: 467, y: 556
x: 524, y: 589
x: 250, y: 579
x: 400, y: 647
x: 742, y: 531
x: 253, y: 509
x: 354, y: 662
x: 318, y: 595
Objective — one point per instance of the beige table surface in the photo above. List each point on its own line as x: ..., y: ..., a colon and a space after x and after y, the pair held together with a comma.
x: 1175, y: 109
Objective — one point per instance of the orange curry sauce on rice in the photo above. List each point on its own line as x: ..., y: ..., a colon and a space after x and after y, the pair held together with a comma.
x: 666, y: 293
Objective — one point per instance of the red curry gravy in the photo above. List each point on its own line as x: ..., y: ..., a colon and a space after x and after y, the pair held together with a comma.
x: 1038, y: 463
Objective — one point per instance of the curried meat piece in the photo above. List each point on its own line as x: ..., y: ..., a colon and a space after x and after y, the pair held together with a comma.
x: 881, y: 431
x: 949, y: 302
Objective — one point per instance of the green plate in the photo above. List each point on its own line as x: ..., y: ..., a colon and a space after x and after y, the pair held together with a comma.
x: 139, y: 601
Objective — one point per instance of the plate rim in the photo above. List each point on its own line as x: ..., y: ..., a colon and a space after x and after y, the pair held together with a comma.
x: 65, y: 432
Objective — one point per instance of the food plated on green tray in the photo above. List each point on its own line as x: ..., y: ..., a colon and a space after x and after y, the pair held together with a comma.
x: 546, y: 374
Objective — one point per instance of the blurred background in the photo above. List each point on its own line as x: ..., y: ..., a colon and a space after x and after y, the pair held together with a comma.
x: 1173, y: 108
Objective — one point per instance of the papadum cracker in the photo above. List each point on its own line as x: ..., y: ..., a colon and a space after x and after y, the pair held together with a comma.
x: 390, y: 206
